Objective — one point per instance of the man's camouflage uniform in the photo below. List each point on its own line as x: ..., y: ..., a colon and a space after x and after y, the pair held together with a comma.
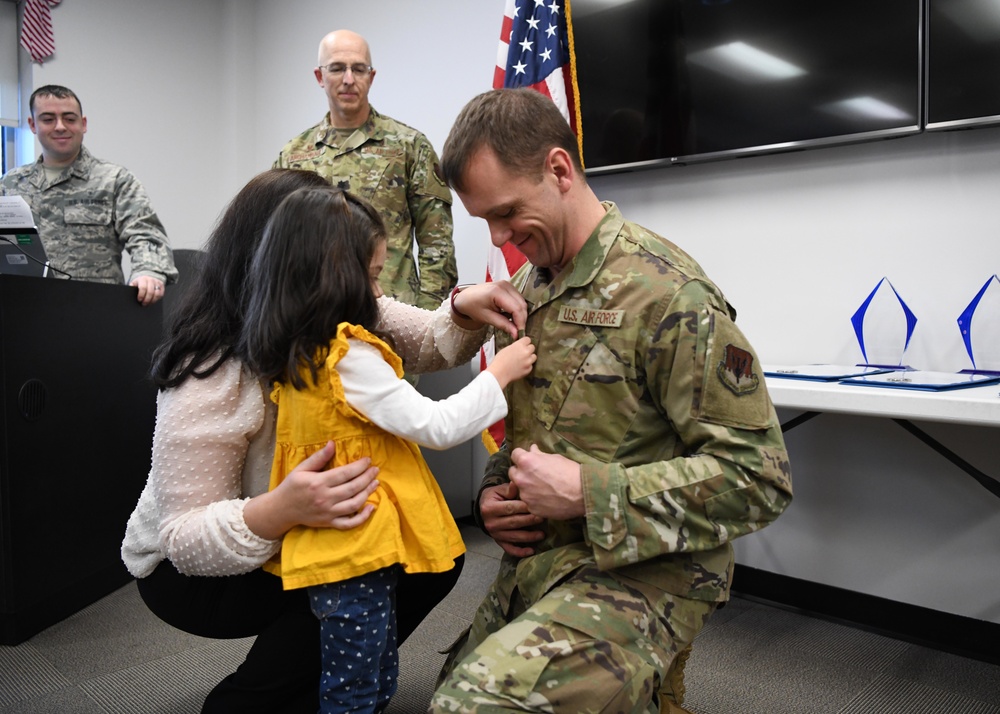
x: 394, y: 167
x: 644, y: 379
x: 89, y: 214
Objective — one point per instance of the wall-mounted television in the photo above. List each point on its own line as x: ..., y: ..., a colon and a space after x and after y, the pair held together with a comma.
x: 665, y: 82
x: 963, y: 63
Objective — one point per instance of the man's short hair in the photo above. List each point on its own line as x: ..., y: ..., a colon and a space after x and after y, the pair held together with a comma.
x: 54, y: 90
x: 520, y: 126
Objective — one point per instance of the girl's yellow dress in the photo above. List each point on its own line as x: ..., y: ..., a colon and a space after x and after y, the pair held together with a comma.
x: 411, y: 524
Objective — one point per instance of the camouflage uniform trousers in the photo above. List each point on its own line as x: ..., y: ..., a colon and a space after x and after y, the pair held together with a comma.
x: 591, y: 644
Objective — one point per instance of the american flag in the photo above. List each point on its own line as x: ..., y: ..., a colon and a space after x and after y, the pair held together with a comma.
x: 36, y: 29
x: 536, y: 52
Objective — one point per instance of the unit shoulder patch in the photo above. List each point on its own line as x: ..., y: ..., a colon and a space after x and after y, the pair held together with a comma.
x: 736, y: 371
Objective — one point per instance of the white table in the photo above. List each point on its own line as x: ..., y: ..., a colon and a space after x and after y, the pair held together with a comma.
x: 979, y: 406
x: 970, y: 405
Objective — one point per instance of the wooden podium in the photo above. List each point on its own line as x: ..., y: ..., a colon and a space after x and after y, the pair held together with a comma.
x: 76, y: 427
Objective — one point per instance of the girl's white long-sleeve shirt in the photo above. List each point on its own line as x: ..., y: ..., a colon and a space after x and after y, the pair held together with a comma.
x: 372, y: 388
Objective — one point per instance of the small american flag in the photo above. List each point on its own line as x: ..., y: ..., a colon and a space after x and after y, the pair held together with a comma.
x: 536, y: 52
x: 36, y: 29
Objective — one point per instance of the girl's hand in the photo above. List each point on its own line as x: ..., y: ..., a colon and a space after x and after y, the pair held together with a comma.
x: 513, y: 362
x: 312, y: 495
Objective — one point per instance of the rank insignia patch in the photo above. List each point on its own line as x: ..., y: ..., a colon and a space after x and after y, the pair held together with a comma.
x: 736, y: 371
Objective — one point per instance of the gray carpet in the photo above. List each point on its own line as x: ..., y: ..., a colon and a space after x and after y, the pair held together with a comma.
x: 115, y: 657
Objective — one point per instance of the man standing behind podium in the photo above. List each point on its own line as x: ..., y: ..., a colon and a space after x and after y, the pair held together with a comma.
x: 386, y: 162
x: 88, y: 210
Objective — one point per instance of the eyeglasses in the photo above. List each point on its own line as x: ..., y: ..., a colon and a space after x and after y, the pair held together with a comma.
x: 338, y: 69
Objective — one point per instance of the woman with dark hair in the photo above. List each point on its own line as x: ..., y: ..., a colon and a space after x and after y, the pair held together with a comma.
x: 206, y: 522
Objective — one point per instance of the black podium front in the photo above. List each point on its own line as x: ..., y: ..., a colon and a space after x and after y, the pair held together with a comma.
x: 76, y: 426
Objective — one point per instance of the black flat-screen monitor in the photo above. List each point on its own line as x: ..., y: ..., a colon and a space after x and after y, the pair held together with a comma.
x: 963, y: 63
x: 676, y: 81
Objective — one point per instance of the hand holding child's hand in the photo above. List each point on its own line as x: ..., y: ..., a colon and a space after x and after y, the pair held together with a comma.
x: 513, y: 362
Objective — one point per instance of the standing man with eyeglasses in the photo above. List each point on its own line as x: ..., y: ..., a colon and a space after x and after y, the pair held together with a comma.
x: 388, y: 163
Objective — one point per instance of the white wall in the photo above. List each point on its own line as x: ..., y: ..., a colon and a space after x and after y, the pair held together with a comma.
x: 150, y: 76
x: 197, y: 96
x: 798, y: 241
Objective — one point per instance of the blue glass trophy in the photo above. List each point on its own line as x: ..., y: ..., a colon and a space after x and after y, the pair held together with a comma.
x: 983, y: 313
x: 884, y: 325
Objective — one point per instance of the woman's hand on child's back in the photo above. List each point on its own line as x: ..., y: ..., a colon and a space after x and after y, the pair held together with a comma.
x: 513, y: 362
x: 313, y: 495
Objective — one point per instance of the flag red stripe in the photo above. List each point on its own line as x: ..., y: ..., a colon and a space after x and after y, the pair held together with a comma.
x: 505, y: 28
x: 36, y: 29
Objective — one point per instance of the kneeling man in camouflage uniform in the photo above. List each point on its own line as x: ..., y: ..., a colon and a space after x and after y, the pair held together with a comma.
x: 640, y: 446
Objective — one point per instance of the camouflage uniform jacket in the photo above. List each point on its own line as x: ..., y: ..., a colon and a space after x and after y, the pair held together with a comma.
x: 644, y: 379
x: 395, y: 168
x: 89, y: 214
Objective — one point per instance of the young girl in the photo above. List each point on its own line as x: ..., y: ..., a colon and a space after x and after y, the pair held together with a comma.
x: 314, y: 283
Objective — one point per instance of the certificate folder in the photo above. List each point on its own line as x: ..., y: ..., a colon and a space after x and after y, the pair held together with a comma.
x: 823, y: 372
x: 927, y: 381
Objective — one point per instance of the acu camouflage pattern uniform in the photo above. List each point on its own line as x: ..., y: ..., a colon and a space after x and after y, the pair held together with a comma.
x: 89, y: 214
x: 393, y: 167
x: 644, y: 379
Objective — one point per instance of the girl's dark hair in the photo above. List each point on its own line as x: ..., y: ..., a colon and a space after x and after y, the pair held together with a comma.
x: 310, y: 273
x: 206, y: 324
